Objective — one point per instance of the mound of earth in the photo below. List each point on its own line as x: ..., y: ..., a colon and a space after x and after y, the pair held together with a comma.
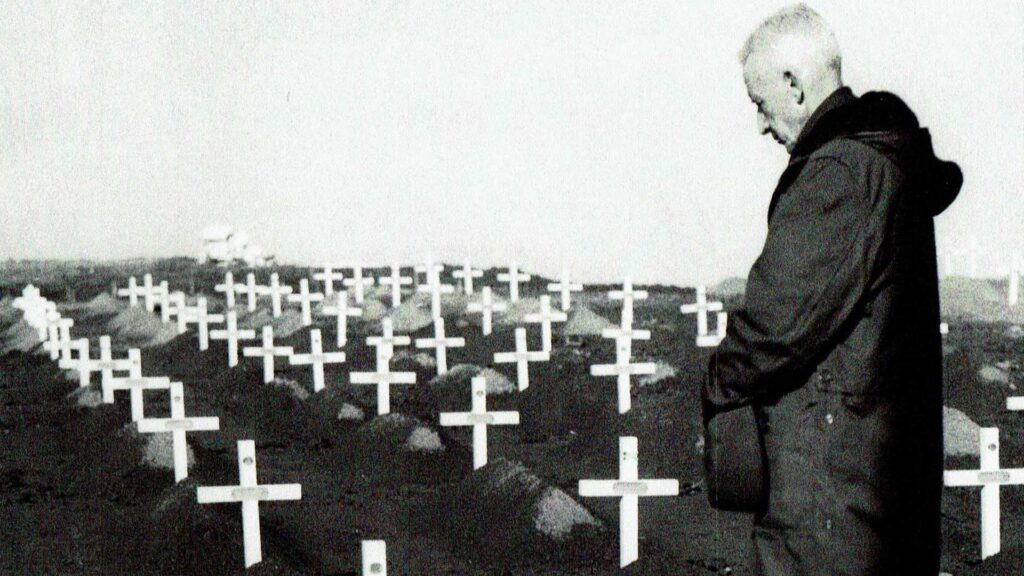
x: 460, y: 376
x: 140, y: 328
x: 412, y: 315
x: 662, y: 371
x: 729, y: 288
x: 585, y: 322
x: 401, y: 431
x: 102, y: 304
x: 515, y: 312
x: 288, y: 323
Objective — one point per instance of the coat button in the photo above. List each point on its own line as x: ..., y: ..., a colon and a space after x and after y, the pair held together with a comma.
x: 830, y: 418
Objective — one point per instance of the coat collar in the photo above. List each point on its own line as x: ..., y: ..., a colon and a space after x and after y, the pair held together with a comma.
x: 822, y: 124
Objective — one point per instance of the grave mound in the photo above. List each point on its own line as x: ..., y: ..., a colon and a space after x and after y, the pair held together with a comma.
x: 288, y: 323
x: 507, y: 513
x: 138, y: 327
x: 459, y: 377
x: 255, y: 320
x: 398, y: 430
x: 960, y: 433
x: 407, y: 360
x: 297, y: 391
x: 350, y: 412
x: 993, y: 375
x: 412, y: 315
x: 102, y: 304
x: 8, y: 313
x: 585, y: 322
x: 87, y: 397
x: 734, y: 287
x: 20, y: 337
x: 515, y: 312
x: 373, y: 310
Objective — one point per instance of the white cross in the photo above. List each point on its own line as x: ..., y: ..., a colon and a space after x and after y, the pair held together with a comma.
x: 440, y: 344
x: 467, y: 273
x: 396, y: 281
x: 375, y: 557
x: 623, y: 369
x: 428, y: 269
x: 249, y: 493
x: 267, y: 351
x: 64, y: 328
x: 435, y: 288
x: 107, y: 365
x: 150, y: 292
x: 251, y: 289
x: 342, y: 311
x: 630, y: 488
x: 178, y: 424
x: 135, y: 385
x: 383, y: 378
x: 39, y: 314
x: 545, y: 317
x: 514, y: 278
x: 385, y: 344
x: 487, y: 307
x: 479, y: 418
x: 232, y: 334
x: 1015, y: 403
x: 989, y: 477
x: 202, y: 318
x: 627, y: 295
x: 133, y: 291
x: 53, y: 343
x: 712, y: 340
x: 317, y: 358
x: 701, y: 308
x: 228, y: 288
x: 305, y: 299
x: 328, y: 276
x: 521, y: 357
x: 625, y: 330
x: 358, y: 282
x: 275, y: 291
x: 566, y: 288
x: 83, y: 364
x: 171, y: 304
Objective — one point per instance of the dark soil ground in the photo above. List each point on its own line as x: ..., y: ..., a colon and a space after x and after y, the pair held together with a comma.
x: 76, y: 498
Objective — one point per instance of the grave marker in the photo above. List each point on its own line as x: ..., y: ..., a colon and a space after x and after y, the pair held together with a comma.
x: 623, y: 369
x: 383, y: 378
x: 466, y: 274
x: 701, y: 308
x: 267, y: 352
x: 386, y: 342
x: 629, y: 487
x: 64, y: 326
x: 990, y: 477
x: 135, y: 385
x: 712, y: 340
x: 178, y: 425
x: 328, y: 276
x: 276, y: 291
x: 566, y: 288
x: 342, y: 311
x: 83, y: 364
x: 249, y: 492
x: 513, y: 278
x: 435, y: 288
x: 628, y: 295
x: 150, y: 292
x: 375, y: 558
x: 316, y: 358
x: 305, y: 300
x: 358, y: 282
x: 202, y: 318
x: 396, y: 281
x: 487, y: 307
x: 133, y: 291
x: 479, y: 418
x: 521, y: 358
x: 252, y: 290
x: 428, y: 269
x: 440, y: 343
x: 545, y: 317
x: 107, y: 365
x: 232, y: 335
x: 228, y: 288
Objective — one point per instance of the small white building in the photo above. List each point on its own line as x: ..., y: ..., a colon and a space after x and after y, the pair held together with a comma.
x: 224, y: 245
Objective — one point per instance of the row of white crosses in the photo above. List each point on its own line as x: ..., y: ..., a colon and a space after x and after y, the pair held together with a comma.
x: 990, y: 477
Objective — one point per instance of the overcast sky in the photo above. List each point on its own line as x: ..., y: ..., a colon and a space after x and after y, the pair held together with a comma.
x: 612, y: 137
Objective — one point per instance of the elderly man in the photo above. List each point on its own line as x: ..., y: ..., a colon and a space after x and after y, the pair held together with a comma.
x: 836, y: 349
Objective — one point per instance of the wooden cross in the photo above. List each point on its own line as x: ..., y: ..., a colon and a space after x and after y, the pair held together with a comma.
x: 428, y: 269
x: 479, y: 418
x: 252, y: 290
x: 627, y: 295
x: 386, y: 342
x: 545, y: 317
x: 107, y: 365
x: 179, y: 424
x: 629, y: 487
x: 136, y: 385
x: 440, y: 344
x: 133, y: 291
x: 316, y: 358
x: 358, y: 282
x: 701, y: 308
x: 566, y: 288
x: 267, y: 351
x: 276, y: 291
x: 171, y: 304
x: 514, y: 278
x: 342, y: 311
x: 712, y: 340
x: 305, y: 300
x: 375, y: 558
x: 150, y: 292
x: 623, y: 369
x: 52, y: 343
x: 232, y: 334
x: 990, y: 478
x: 249, y: 492
x: 521, y: 358
x: 467, y: 273
x: 228, y: 288
x: 202, y: 319
x: 396, y: 281
x: 83, y: 364
x: 64, y: 328
x: 435, y: 288
x: 487, y: 307
x: 328, y: 276
x: 383, y: 378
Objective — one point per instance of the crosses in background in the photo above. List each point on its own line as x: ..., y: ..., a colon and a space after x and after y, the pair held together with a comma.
x: 276, y: 291
x: 267, y: 351
x: 487, y: 307
x: 64, y: 329
x: 107, y: 365
x: 513, y: 278
x: 202, y: 318
x: 305, y: 300
x: 83, y: 364
x: 435, y: 288
x: 466, y: 274
x: 228, y: 288
x: 990, y: 477
x: 383, y: 378
x: 701, y: 308
x: 358, y: 282
x: 566, y: 288
x: 386, y: 342
x: 328, y: 276
x: 150, y: 292
x: 316, y: 358
x: 249, y: 493
x: 232, y: 334
x: 133, y: 291
x: 178, y: 424
x: 342, y: 311
x: 623, y: 369
x: 521, y: 358
x: 721, y: 326
x: 545, y: 317
x: 396, y: 281
x: 628, y: 295
x: 171, y: 304
x: 252, y: 290
x: 440, y: 343
x: 479, y: 418
x: 630, y: 488
x: 428, y: 269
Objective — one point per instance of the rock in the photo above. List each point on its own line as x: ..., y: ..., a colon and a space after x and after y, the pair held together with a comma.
x: 662, y: 371
x: 1015, y: 332
x: 960, y: 433
x: 350, y: 412
x: 288, y: 323
x: 993, y: 375
x: 461, y: 375
x: 585, y: 322
x: 423, y: 439
x: 292, y: 387
x: 556, y: 514
x: 20, y: 337
x: 158, y: 451
x: 87, y: 397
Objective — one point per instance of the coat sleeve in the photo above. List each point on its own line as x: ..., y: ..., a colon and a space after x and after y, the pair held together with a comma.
x: 824, y: 239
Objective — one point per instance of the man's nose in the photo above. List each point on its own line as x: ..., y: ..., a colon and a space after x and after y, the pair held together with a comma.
x: 762, y: 123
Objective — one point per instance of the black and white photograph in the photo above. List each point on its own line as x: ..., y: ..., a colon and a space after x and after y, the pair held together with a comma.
x: 531, y: 288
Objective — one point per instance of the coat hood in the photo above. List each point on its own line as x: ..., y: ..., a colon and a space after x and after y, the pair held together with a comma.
x: 884, y: 122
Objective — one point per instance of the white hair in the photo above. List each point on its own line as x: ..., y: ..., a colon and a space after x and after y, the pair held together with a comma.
x: 800, y: 27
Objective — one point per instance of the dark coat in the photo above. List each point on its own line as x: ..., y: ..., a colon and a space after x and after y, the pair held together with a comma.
x: 837, y: 347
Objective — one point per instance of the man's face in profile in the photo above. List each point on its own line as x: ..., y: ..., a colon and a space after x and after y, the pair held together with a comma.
x: 778, y: 100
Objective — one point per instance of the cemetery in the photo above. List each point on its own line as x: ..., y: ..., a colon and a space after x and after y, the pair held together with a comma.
x: 417, y: 418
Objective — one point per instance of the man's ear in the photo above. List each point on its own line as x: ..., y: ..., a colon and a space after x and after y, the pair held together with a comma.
x: 793, y: 86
